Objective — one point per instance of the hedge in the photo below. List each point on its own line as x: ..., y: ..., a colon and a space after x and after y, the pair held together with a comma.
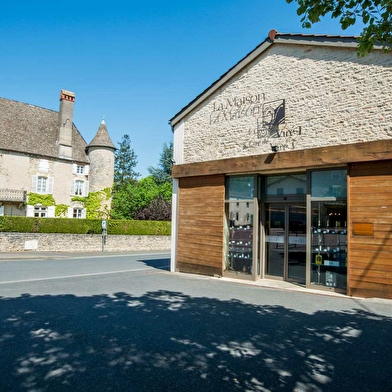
x: 23, y: 224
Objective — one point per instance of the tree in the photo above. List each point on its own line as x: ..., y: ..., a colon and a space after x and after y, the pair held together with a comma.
x: 376, y: 16
x: 135, y: 197
x: 125, y: 161
x: 162, y: 173
x: 158, y: 210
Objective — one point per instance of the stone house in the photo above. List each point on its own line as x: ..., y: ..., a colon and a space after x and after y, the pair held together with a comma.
x: 283, y: 168
x: 46, y: 166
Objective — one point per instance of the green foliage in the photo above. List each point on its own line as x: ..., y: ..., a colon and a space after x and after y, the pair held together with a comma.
x: 107, y: 192
x: 376, y: 15
x: 44, y: 200
x: 21, y: 224
x: 94, y: 203
x: 162, y: 173
x: 61, y: 210
x: 125, y: 161
x: 127, y: 202
x: 137, y: 227
x: 79, y: 198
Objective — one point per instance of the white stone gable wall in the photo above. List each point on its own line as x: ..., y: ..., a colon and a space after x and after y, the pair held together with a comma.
x: 331, y: 97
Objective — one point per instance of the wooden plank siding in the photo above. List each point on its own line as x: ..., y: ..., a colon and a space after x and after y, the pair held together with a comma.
x: 290, y: 160
x: 370, y: 252
x: 201, y: 203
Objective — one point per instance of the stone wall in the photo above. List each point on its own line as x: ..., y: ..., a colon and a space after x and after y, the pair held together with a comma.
x: 18, y: 242
x: 328, y: 96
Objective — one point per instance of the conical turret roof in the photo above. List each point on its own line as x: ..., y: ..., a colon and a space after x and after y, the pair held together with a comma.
x: 102, y: 138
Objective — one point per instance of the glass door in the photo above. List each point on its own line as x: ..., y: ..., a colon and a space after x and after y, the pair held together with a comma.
x: 275, y: 239
x: 296, y: 253
x: 286, y: 241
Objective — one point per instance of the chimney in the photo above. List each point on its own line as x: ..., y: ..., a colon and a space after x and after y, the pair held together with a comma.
x: 67, y: 99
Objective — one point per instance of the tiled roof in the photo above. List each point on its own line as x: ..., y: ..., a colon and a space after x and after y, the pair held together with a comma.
x: 102, y: 138
x: 30, y: 129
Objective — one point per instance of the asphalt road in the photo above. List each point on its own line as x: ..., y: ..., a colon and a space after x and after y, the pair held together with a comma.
x: 124, y: 323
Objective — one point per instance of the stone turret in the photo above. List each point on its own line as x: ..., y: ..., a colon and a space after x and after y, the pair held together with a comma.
x: 101, y: 155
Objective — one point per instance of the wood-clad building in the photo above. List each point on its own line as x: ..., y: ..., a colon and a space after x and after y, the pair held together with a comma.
x: 283, y: 168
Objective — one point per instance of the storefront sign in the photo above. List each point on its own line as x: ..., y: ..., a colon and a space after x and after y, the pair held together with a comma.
x: 237, y: 108
x: 269, y: 120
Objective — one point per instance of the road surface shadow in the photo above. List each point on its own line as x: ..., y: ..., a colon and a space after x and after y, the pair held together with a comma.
x: 169, y: 341
x: 162, y: 264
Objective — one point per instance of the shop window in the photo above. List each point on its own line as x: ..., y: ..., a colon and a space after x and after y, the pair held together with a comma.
x: 240, y: 188
x: 240, y: 239
x: 329, y: 244
x: 285, y: 185
x: 329, y: 183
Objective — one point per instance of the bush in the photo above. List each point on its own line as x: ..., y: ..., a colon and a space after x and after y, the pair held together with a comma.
x: 20, y: 224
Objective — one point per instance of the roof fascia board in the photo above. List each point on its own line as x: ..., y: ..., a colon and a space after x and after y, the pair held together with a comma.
x: 316, y: 41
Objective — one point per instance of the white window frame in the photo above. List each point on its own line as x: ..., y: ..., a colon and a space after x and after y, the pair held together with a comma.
x: 80, y: 170
x: 40, y: 212
x: 77, y: 213
x: 79, y: 188
x: 42, y: 185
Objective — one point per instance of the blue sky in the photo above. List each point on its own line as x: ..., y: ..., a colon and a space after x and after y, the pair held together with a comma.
x: 135, y: 63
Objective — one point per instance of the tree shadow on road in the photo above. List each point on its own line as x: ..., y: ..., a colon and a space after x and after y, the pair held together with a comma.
x: 168, y: 341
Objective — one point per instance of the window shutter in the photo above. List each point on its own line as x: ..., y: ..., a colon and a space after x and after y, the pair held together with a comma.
x: 73, y: 188
x: 86, y: 170
x: 70, y: 212
x: 1, y: 210
x: 74, y: 168
x: 86, y: 186
x: 50, y: 185
x: 51, y: 211
x: 30, y: 210
x: 84, y: 213
x: 34, y: 184
x: 43, y: 165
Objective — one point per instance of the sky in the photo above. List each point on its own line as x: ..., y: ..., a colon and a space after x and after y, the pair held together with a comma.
x: 134, y: 64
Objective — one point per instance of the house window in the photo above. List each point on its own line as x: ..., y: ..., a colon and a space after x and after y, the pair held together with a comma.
x: 42, y: 184
x: 79, y: 187
x: 77, y: 213
x: 80, y: 169
x: 40, y: 212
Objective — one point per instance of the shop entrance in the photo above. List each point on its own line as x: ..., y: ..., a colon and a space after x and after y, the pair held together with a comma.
x: 285, y: 241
